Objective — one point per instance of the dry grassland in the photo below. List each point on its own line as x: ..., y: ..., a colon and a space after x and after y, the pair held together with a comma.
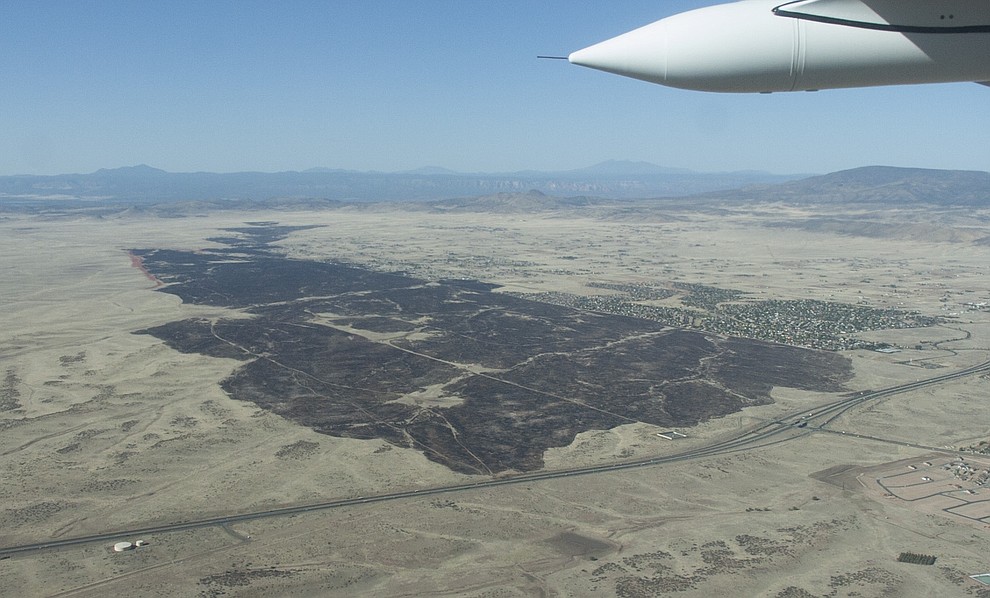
x: 104, y: 430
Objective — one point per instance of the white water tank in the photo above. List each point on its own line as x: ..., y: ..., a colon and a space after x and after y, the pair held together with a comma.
x: 122, y: 546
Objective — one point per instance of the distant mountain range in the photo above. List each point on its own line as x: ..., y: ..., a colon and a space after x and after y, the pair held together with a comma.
x: 138, y: 184
x: 436, y: 188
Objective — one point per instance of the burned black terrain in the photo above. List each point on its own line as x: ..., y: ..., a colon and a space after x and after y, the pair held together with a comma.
x: 480, y: 381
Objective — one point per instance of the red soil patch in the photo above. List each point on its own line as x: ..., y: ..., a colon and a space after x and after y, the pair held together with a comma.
x: 138, y: 262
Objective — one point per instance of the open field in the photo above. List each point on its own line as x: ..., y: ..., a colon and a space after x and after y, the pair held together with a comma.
x: 104, y: 429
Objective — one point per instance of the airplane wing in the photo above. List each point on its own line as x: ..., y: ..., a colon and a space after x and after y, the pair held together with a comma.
x: 804, y: 45
x: 892, y: 15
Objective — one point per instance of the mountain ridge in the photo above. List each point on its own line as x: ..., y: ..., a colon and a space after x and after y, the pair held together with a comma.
x: 613, y: 180
x: 875, y: 185
x: 143, y: 183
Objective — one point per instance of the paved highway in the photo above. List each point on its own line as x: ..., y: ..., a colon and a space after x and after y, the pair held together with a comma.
x: 794, y: 425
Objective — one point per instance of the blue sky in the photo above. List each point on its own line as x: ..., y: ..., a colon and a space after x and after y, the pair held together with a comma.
x: 398, y: 84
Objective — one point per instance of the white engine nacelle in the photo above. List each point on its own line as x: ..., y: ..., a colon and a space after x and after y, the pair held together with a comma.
x: 766, y: 45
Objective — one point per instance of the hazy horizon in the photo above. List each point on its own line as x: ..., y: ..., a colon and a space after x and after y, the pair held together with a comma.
x: 435, y: 169
x: 440, y: 170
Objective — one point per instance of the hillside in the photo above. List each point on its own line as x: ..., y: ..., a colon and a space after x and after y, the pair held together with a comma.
x: 876, y: 185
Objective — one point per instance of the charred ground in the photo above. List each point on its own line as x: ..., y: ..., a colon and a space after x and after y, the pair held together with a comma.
x: 478, y: 380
